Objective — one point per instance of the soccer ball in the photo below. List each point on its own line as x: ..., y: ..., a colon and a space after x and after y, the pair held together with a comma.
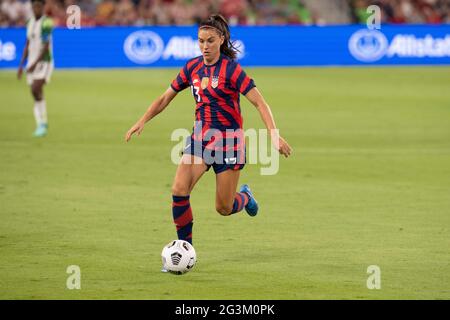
x: 178, y: 257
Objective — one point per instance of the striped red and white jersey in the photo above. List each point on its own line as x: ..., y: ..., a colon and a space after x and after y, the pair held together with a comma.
x: 216, y: 89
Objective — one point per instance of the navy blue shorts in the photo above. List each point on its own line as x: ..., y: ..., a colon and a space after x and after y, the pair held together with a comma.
x: 221, y: 154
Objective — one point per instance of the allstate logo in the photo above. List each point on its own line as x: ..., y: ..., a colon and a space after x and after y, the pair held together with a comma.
x: 368, y: 45
x: 143, y: 47
x: 7, y: 51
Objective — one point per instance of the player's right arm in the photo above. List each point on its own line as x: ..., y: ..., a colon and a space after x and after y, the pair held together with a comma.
x: 22, y: 60
x: 155, y: 108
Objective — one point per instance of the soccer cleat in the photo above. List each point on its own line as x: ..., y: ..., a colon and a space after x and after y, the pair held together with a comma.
x: 40, y: 131
x: 252, y: 205
x: 164, y: 270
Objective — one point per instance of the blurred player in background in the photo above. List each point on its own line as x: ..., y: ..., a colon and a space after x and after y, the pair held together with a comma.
x: 216, y: 80
x: 38, y: 53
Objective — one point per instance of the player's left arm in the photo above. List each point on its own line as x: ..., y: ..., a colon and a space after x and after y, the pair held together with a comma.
x: 256, y: 98
x: 47, y: 28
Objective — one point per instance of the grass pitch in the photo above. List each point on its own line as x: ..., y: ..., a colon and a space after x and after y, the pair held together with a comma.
x: 368, y: 184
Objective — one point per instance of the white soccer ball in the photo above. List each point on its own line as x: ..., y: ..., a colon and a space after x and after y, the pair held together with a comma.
x: 178, y: 257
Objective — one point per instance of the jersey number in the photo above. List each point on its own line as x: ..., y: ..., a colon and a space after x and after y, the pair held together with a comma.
x: 195, y: 94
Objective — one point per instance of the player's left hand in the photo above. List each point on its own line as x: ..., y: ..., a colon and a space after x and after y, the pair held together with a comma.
x: 280, y: 144
x: 284, y: 148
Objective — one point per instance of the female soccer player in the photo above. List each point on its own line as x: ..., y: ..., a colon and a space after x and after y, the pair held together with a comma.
x: 38, y: 50
x: 216, y: 81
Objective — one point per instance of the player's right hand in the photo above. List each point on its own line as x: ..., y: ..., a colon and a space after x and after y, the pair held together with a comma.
x: 19, y: 73
x: 137, y: 128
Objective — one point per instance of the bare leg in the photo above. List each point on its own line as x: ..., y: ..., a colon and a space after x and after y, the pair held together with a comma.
x: 187, y: 175
x: 226, y: 184
x: 37, y: 89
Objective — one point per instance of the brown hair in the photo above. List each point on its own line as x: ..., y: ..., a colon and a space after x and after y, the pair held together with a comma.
x: 218, y: 22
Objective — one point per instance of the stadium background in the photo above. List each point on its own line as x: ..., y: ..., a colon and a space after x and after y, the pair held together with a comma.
x: 368, y: 183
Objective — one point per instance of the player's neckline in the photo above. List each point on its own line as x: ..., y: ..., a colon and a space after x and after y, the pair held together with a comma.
x: 212, y: 65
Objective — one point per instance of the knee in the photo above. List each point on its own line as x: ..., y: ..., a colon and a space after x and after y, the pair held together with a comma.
x: 223, y: 209
x: 37, y: 94
x: 180, y: 190
x: 34, y: 93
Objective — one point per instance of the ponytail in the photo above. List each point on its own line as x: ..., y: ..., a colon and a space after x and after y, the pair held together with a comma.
x: 218, y: 22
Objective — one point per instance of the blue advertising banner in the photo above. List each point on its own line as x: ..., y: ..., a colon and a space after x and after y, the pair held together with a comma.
x: 122, y: 47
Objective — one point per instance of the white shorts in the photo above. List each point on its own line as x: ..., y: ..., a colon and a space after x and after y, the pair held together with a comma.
x: 43, y: 70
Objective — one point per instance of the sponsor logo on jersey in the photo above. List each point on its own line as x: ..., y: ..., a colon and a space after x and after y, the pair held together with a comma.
x: 205, y: 81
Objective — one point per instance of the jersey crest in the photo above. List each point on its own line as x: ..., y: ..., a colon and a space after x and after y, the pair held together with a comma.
x: 215, y: 82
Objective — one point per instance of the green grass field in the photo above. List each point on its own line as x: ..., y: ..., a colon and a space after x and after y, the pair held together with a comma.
x: 368, y: 184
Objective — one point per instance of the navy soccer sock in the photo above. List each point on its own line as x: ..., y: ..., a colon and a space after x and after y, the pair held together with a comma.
x: 182, y: 216
x: 240, y: 201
